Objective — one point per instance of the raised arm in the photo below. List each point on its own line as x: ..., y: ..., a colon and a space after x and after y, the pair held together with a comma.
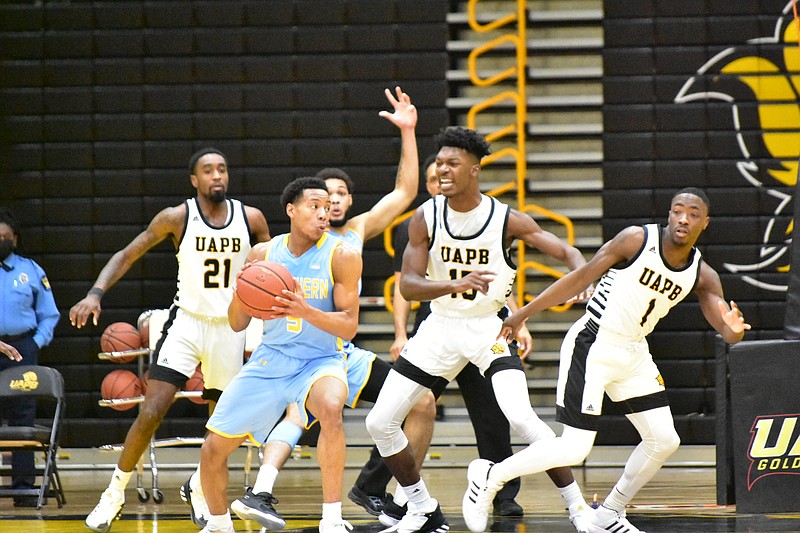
x: 406, y: 186
x: 728, y: 321
x: 168, y: 222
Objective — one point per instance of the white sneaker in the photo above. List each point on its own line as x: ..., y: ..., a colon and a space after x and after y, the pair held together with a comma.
x: 106, y: 511
x: 416, y: 521
x: 197, y: 502
x: 228, y: 530
x: 605, y: 520
x: 334, y: 526
x: 478, y: 496
x: 581, y: 517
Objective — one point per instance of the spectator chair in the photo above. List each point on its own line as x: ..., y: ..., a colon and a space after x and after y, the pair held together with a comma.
x: 42, y: 383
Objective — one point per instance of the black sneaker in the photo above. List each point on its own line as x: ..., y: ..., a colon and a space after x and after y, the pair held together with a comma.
x: 433, y: 522
x: 392, y: 513
x: 371, y: 504
x: 508, y: 507
x: 259, y: 507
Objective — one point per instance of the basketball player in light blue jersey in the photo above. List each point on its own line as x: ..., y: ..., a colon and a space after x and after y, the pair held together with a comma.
x: 365, y: 372
x: 299, y: 359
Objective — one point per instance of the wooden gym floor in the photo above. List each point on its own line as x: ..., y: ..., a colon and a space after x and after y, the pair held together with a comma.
x: 680, y: 499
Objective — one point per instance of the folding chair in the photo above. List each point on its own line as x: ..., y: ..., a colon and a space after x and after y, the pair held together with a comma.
x: 41, y: 382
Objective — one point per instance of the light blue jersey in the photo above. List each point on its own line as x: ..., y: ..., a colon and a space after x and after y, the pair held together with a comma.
x: 313, y: 275
x: 292, y: 356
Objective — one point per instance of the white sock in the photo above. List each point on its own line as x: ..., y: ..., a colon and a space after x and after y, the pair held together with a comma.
x: 220, y: 521
x: 572, y: 496
x: 419, y: 497
x: 119, y: 480
x: 332, y: 512
x: 194, y: 482
x: 265, y: 480
x: 400, y: 496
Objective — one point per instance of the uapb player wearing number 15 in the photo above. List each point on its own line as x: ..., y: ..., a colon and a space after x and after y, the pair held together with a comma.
x: 458, y: 258
x: 212, y: 236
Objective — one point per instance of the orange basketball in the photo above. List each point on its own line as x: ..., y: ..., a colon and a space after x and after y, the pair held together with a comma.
x: 120, y: 384
x: 196, y: 383
x: 258, y: 284
x: 121, y: 337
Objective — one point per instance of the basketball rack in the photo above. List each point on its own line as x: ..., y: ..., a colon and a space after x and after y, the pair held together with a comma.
x: 157, y: 318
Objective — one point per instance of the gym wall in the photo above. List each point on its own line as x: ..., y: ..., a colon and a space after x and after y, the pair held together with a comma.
x: 103, y: 103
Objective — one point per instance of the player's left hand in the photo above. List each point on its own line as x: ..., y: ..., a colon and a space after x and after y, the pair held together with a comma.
x: 733, y: 317
x: 290, y: 304
x: 511, y: 325
x: 405, y: 114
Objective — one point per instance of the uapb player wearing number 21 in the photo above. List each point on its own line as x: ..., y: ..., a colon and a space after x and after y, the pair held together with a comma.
x: 212, y: 235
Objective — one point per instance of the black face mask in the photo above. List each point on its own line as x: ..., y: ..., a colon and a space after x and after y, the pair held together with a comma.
x: 6, y: 247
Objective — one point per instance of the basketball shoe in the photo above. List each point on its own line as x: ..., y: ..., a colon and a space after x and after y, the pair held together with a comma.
x: 228, y: 530
x: 106, y: 511
x: 416, y: 521
x: 581, y: 517
x: 259, y: 507
x: 605, y: 520
x: 334, y: 526
x: 197, y: 504
x: 371, y: 504
x: 479, y: 495
x: 392, y: 513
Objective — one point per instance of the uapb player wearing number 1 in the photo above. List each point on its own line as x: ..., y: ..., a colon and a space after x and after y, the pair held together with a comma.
x: 212, y: 236
x: 644, y: 272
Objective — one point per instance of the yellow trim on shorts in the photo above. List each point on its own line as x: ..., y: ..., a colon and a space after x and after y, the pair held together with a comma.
x: 308, y: 425
x: 246, y: 436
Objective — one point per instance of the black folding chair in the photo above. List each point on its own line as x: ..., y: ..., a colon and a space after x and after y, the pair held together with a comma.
x: 43, y: 383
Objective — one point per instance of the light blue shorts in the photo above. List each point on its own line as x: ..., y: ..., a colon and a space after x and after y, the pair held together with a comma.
x: 359, y: 366
x: 257, y: 397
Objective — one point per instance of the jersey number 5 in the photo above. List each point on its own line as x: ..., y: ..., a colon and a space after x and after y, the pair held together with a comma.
x: 211, y: 277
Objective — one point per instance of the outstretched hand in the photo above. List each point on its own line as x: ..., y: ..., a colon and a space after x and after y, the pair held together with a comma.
x: 405, y: 114
x: 733, y: 317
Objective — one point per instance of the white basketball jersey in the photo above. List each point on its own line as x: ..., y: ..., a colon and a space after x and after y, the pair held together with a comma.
x: 630, y: 300
x: 209, y: 259
x: 478, y: 245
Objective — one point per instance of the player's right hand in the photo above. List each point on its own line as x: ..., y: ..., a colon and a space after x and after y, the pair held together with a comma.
x: 81, y: 311
x: 476, y: 280
x: 397, y: 347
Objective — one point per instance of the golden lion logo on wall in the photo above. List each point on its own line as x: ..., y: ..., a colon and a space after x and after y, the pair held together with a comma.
x: 29, y: 382
x: 768, y: 120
